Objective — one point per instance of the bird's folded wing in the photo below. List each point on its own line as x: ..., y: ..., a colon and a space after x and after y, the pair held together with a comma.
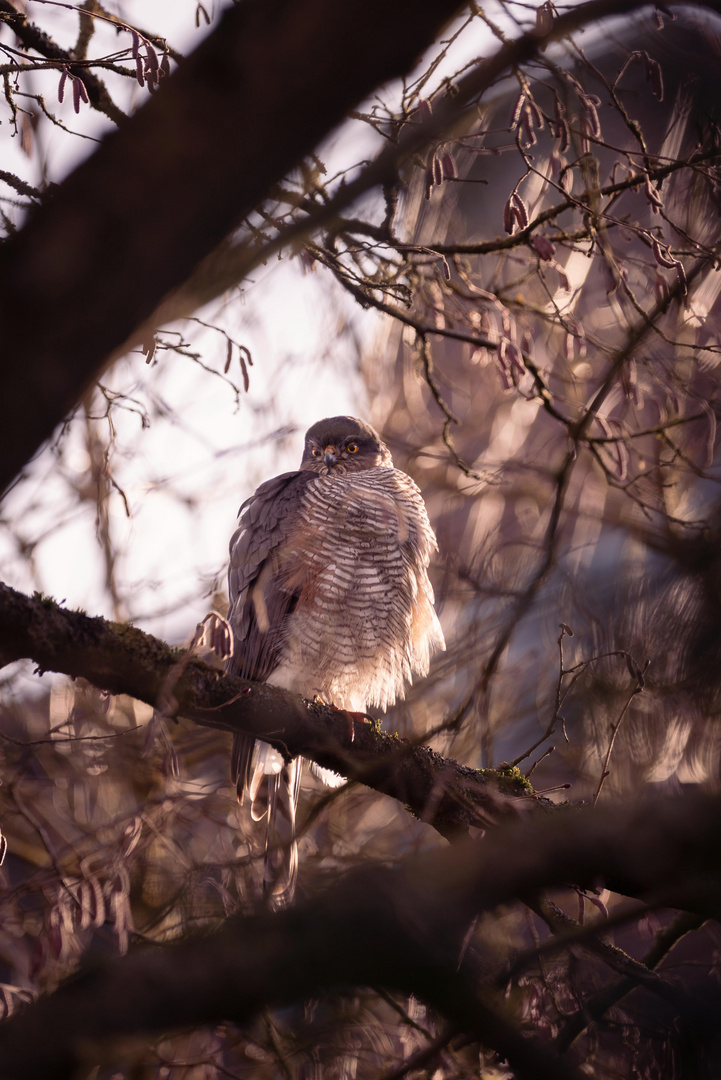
x: 260, y: 597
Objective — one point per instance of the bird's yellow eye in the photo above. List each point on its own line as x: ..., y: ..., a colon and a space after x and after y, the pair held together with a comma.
x: 352, y: 448
x: 316, y: 453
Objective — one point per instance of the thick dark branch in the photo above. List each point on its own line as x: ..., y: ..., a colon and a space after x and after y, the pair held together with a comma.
x: 124, y: 660
x: 135, y: 220
x: 132, y: 222
x: 402, y: 929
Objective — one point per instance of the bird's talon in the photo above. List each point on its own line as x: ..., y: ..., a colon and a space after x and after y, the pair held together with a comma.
x: 356, y: 718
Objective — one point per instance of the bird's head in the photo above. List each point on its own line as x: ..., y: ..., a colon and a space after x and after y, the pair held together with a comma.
x: 343, y: 444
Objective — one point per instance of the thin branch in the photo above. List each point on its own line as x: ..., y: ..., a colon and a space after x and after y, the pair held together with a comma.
x: 337, y: 48
x: 34, y: 38
x: 595, y: 1007
x: 615, y: 726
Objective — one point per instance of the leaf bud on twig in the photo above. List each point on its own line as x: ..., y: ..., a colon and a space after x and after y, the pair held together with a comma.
x: 544, y: 18
x: 543, y: 247
x: 450, y: 172
x: 79, y: 92
x: 590, y: 107
x: 521, y: 210
x: 652, y: 195
x: 244, y: 369
x: 662, y: 255
x: 536, y: 114
x: 503, y: 364
x: 152, y: 61
x: 508, y: 216
x: 516, y: 111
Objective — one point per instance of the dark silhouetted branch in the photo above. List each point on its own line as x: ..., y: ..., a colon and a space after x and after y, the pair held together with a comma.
x: 401, y: 928
x: 124, y: 660
x: 161, y: 192
x: 135, y: 220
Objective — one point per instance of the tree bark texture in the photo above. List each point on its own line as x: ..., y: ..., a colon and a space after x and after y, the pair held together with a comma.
x: 123, y: 660
x: 402, y: 928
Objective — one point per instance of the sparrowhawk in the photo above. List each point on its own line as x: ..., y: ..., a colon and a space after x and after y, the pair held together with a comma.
x: 330, y: 598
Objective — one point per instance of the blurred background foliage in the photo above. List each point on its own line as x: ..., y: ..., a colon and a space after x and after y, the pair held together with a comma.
x: 529, y: 316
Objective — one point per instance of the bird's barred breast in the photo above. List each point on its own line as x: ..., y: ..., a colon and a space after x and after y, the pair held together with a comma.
x: 365, y: 621
x: 370, y: 505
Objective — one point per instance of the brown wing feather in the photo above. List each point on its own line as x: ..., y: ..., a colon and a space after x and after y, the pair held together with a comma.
x: 260, y: 599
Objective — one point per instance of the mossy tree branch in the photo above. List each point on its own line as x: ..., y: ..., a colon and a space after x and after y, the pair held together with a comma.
x: 124, y: 660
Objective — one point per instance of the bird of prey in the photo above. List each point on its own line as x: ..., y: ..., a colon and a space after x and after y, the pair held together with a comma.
x: 330, y: 598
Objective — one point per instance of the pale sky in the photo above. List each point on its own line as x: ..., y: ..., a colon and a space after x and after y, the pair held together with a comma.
x: 300, y: 330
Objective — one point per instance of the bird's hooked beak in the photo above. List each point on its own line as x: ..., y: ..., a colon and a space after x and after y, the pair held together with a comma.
x: 329, y: 457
